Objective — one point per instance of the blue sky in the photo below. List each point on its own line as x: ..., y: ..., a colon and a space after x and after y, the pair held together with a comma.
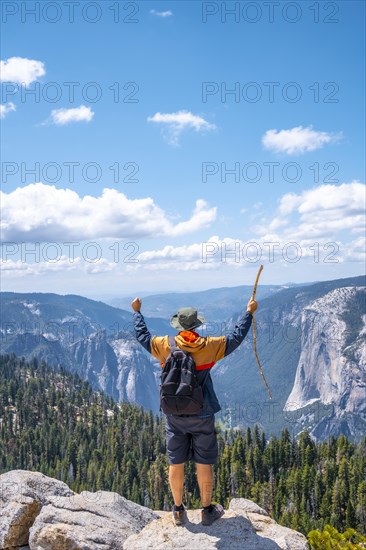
x: 172, y: 134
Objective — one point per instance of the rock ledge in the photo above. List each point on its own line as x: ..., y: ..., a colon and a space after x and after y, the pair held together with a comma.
x: 41, y: 513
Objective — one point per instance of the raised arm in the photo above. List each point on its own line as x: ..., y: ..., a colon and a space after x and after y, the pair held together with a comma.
x: 142, y: 332
x: 235, y: 338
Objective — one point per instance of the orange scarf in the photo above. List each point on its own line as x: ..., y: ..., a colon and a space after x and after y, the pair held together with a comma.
x: 189, y: 335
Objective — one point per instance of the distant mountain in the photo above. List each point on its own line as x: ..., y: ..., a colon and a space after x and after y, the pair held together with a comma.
x: 84, y: 336
x: 284, y: 339
x: 314, y: 384
x: 216, y: 304
x: 65, y: 317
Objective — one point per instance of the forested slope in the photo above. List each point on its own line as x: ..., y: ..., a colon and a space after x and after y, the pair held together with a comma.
x: 53, y: 422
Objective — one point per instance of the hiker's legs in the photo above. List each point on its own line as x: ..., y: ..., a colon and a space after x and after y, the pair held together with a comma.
x: 205, y: 482
x: 176, y: 480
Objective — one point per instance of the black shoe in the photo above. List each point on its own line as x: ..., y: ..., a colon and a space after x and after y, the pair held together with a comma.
x: 179, y: 514
x: 209, y: 515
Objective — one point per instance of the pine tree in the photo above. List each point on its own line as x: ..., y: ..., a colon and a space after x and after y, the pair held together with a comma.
x: 361, y: 507
x: 52, y: 421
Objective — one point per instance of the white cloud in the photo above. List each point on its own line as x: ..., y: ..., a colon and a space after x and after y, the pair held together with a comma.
x: 6, y: 108
x: 191, y: 257
x: 318, y: 220
x: 77, y: 114
x: 297, y: 140
x: 186, y: 252
x: 39, y: 212
x: 167, y: 13
x: 21, y: 70
x: 230, y: 253
x: 21, y: 268
x: 347, y: 198
x: 320, y: 212
x: 321, y: 221
x: 100, y: 266
x: 12, y: 268
x: 355, y: 251
x: 173, y: 266
x: 201, y: 217
x: 176, y: 123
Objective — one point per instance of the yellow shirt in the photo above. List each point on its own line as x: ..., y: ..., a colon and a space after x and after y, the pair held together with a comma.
x: 205, y: 351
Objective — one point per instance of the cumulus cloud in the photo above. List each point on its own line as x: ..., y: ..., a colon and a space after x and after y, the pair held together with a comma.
x: 321, y: 212
x: 6, y: 108
x: 298, y: 140
x: 315, y: 223
x: 20, y: 268
x: 167, y: 13
x: 175, y: 123
x: 323, y: 223
x: 215, y: 253
x: 77, y: 114
x: 355, y: 251
x: 21, y: 70
x: 39, y: 212
x: 345, y: 198
x: 11, y: 268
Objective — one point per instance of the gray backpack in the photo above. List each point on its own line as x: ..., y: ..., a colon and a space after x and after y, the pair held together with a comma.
x: 180, y: 391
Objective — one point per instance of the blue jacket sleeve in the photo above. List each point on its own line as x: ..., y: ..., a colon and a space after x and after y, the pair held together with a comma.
x: 141, y: 331
x: 235, y: 338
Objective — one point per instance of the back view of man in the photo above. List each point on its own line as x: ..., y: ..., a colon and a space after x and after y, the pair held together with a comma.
x: 193, y: 437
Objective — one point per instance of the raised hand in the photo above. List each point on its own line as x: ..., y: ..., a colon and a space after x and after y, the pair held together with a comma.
x: 252, y: 306
x: 136, y: 304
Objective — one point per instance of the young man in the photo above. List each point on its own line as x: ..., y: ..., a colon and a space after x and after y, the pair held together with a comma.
x: 193, y: 437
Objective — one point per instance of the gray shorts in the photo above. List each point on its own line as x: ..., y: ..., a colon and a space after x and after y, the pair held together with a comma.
x: 191, y: 438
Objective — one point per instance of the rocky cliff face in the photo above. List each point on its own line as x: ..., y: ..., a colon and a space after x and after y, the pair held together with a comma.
x: 331, y: 370
x: 45, y: 514
x: 138, y: 378
x: 119, y: 366
x: 96, y: 362
x: 299, y: 329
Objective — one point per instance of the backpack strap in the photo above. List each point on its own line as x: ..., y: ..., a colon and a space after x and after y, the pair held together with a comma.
x: 172, y: 344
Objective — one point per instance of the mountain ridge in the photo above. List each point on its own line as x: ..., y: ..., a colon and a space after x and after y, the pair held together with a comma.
x: 97, y: 340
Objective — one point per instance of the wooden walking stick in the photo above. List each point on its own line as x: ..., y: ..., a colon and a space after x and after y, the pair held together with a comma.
x: 255, y: 333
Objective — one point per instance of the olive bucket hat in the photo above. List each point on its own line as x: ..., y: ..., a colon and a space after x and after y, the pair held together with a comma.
x: 187, y: 318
